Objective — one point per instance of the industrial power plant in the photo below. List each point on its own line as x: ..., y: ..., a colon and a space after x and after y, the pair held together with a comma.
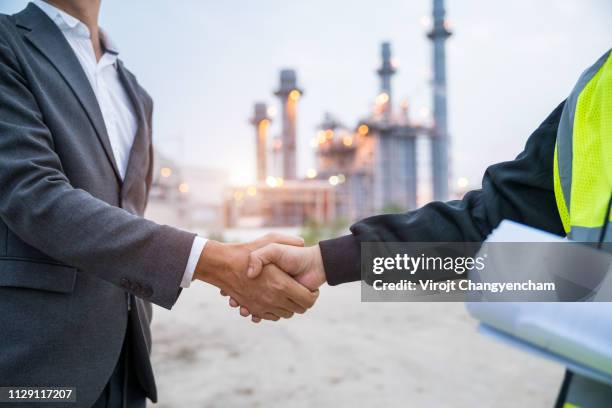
x: 360, y: 170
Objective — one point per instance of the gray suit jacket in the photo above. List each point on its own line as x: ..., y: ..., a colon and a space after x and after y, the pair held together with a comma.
x: 73, y: 242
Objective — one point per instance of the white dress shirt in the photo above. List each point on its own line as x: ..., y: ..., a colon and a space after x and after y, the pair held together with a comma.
x: 117, y: 110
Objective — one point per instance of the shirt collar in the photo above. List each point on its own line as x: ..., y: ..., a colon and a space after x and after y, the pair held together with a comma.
x: 66, y: 22
x: 108, y: 43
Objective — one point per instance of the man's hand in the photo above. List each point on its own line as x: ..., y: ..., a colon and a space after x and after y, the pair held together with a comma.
x: 270, y: 295
x: 305, y: 265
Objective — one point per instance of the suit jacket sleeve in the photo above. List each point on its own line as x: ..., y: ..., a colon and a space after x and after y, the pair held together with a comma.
x: 519, y: 190
x: 38, y: 203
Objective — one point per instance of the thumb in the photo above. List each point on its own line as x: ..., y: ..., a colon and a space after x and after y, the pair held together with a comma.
x: 261, y: 257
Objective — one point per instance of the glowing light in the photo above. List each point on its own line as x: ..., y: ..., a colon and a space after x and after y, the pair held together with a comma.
x: 333, y: 180
x: 166, y: 172
x: 183, y: 188
x: 311, y: 173
x: 425, y: 21
x: 363, y: 130
x: 382, y: 98
x: 280, y: 181
x: 314, y: 142
x: 321, y: 138
x: 329, y: 134
x: 394, y: 62
x: 263, y: 126
x: 341, y: 178
x: 272, y: 111
x: 424, y: 111
x: 252, y: 191
x: 462, y: 182
x: 347, y: 141
x: 271, y: 181
x: 294, y: 95
x: 238, y: 195
x: 277, y: 144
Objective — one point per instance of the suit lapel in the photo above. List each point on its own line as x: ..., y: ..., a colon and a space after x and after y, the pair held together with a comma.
x: 136, y: 168
x: 50, y: 41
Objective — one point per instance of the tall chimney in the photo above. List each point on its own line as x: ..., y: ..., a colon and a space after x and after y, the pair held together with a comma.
x: 261, y: 122
x: 440, y: 138
x: 386, y: 72
x: 289, y: 94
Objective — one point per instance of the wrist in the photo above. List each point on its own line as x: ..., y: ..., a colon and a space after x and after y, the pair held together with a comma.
x: 212, y: 263
x: 317, y: 265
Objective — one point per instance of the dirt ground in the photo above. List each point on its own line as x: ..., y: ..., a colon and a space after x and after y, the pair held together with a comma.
x: 343, y: 353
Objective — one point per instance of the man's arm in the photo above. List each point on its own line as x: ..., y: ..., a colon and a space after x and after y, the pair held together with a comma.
x: 519, y: 190
x: 39, y: 204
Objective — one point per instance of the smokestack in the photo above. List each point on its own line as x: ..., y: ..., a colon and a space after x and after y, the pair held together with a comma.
x: 289, y: 94
x: 386, y: 72
x: 440, y: 139
x: 261, y: 122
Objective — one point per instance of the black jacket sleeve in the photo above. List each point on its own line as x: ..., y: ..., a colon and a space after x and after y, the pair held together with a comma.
x: 520, y: 190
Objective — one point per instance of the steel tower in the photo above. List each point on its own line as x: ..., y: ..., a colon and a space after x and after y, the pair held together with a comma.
x: 261, y: 122
x: 289, y: 94
x: 440, y: 139
x: 386, y: 72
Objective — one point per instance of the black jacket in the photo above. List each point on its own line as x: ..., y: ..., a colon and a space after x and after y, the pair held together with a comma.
x: 519, y: 190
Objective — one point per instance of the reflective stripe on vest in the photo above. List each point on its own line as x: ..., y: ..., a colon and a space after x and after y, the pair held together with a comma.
x: 583, y: 155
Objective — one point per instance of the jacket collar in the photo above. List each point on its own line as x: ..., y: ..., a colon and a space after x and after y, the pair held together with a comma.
x: 68, y: 23
x: 63, y: 20
x: 45, y: 35
x: 136, y: 168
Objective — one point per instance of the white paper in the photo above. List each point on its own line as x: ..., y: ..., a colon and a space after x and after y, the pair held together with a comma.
x: 578, y: 334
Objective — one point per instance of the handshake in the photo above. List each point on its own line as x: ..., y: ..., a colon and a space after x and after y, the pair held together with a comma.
x: 269, y: 278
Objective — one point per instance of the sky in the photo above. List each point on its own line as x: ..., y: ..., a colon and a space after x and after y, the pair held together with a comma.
x: 206, y: 63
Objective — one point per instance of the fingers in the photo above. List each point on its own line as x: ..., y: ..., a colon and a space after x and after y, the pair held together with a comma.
x: 289, y: 305
x: 276, y: 312
x: 295, y: 307
x: 270, y: 316
x: 269, y: 249
x: 285, y: 310
x: 284, y: 313
x: 301, y: 295
x: 265, y: 316
x: 262, y: 257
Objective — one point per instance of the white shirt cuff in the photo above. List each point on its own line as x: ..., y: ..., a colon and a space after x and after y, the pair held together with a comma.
x: 194, y: 256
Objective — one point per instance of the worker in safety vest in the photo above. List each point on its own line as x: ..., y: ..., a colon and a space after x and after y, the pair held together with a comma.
x: 583, y: 190
x: 561, y: 183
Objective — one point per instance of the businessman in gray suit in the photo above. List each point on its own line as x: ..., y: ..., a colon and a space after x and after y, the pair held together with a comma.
x: 78, y: 263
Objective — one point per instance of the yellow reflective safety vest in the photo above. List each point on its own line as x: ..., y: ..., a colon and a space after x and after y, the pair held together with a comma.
x: 583, y: 156
x: 583, y: 190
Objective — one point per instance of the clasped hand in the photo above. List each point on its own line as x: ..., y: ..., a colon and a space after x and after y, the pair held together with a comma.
x: 270, y: 278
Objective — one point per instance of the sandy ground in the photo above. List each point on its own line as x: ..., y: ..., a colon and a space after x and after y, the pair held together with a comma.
x: 343, y: 353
